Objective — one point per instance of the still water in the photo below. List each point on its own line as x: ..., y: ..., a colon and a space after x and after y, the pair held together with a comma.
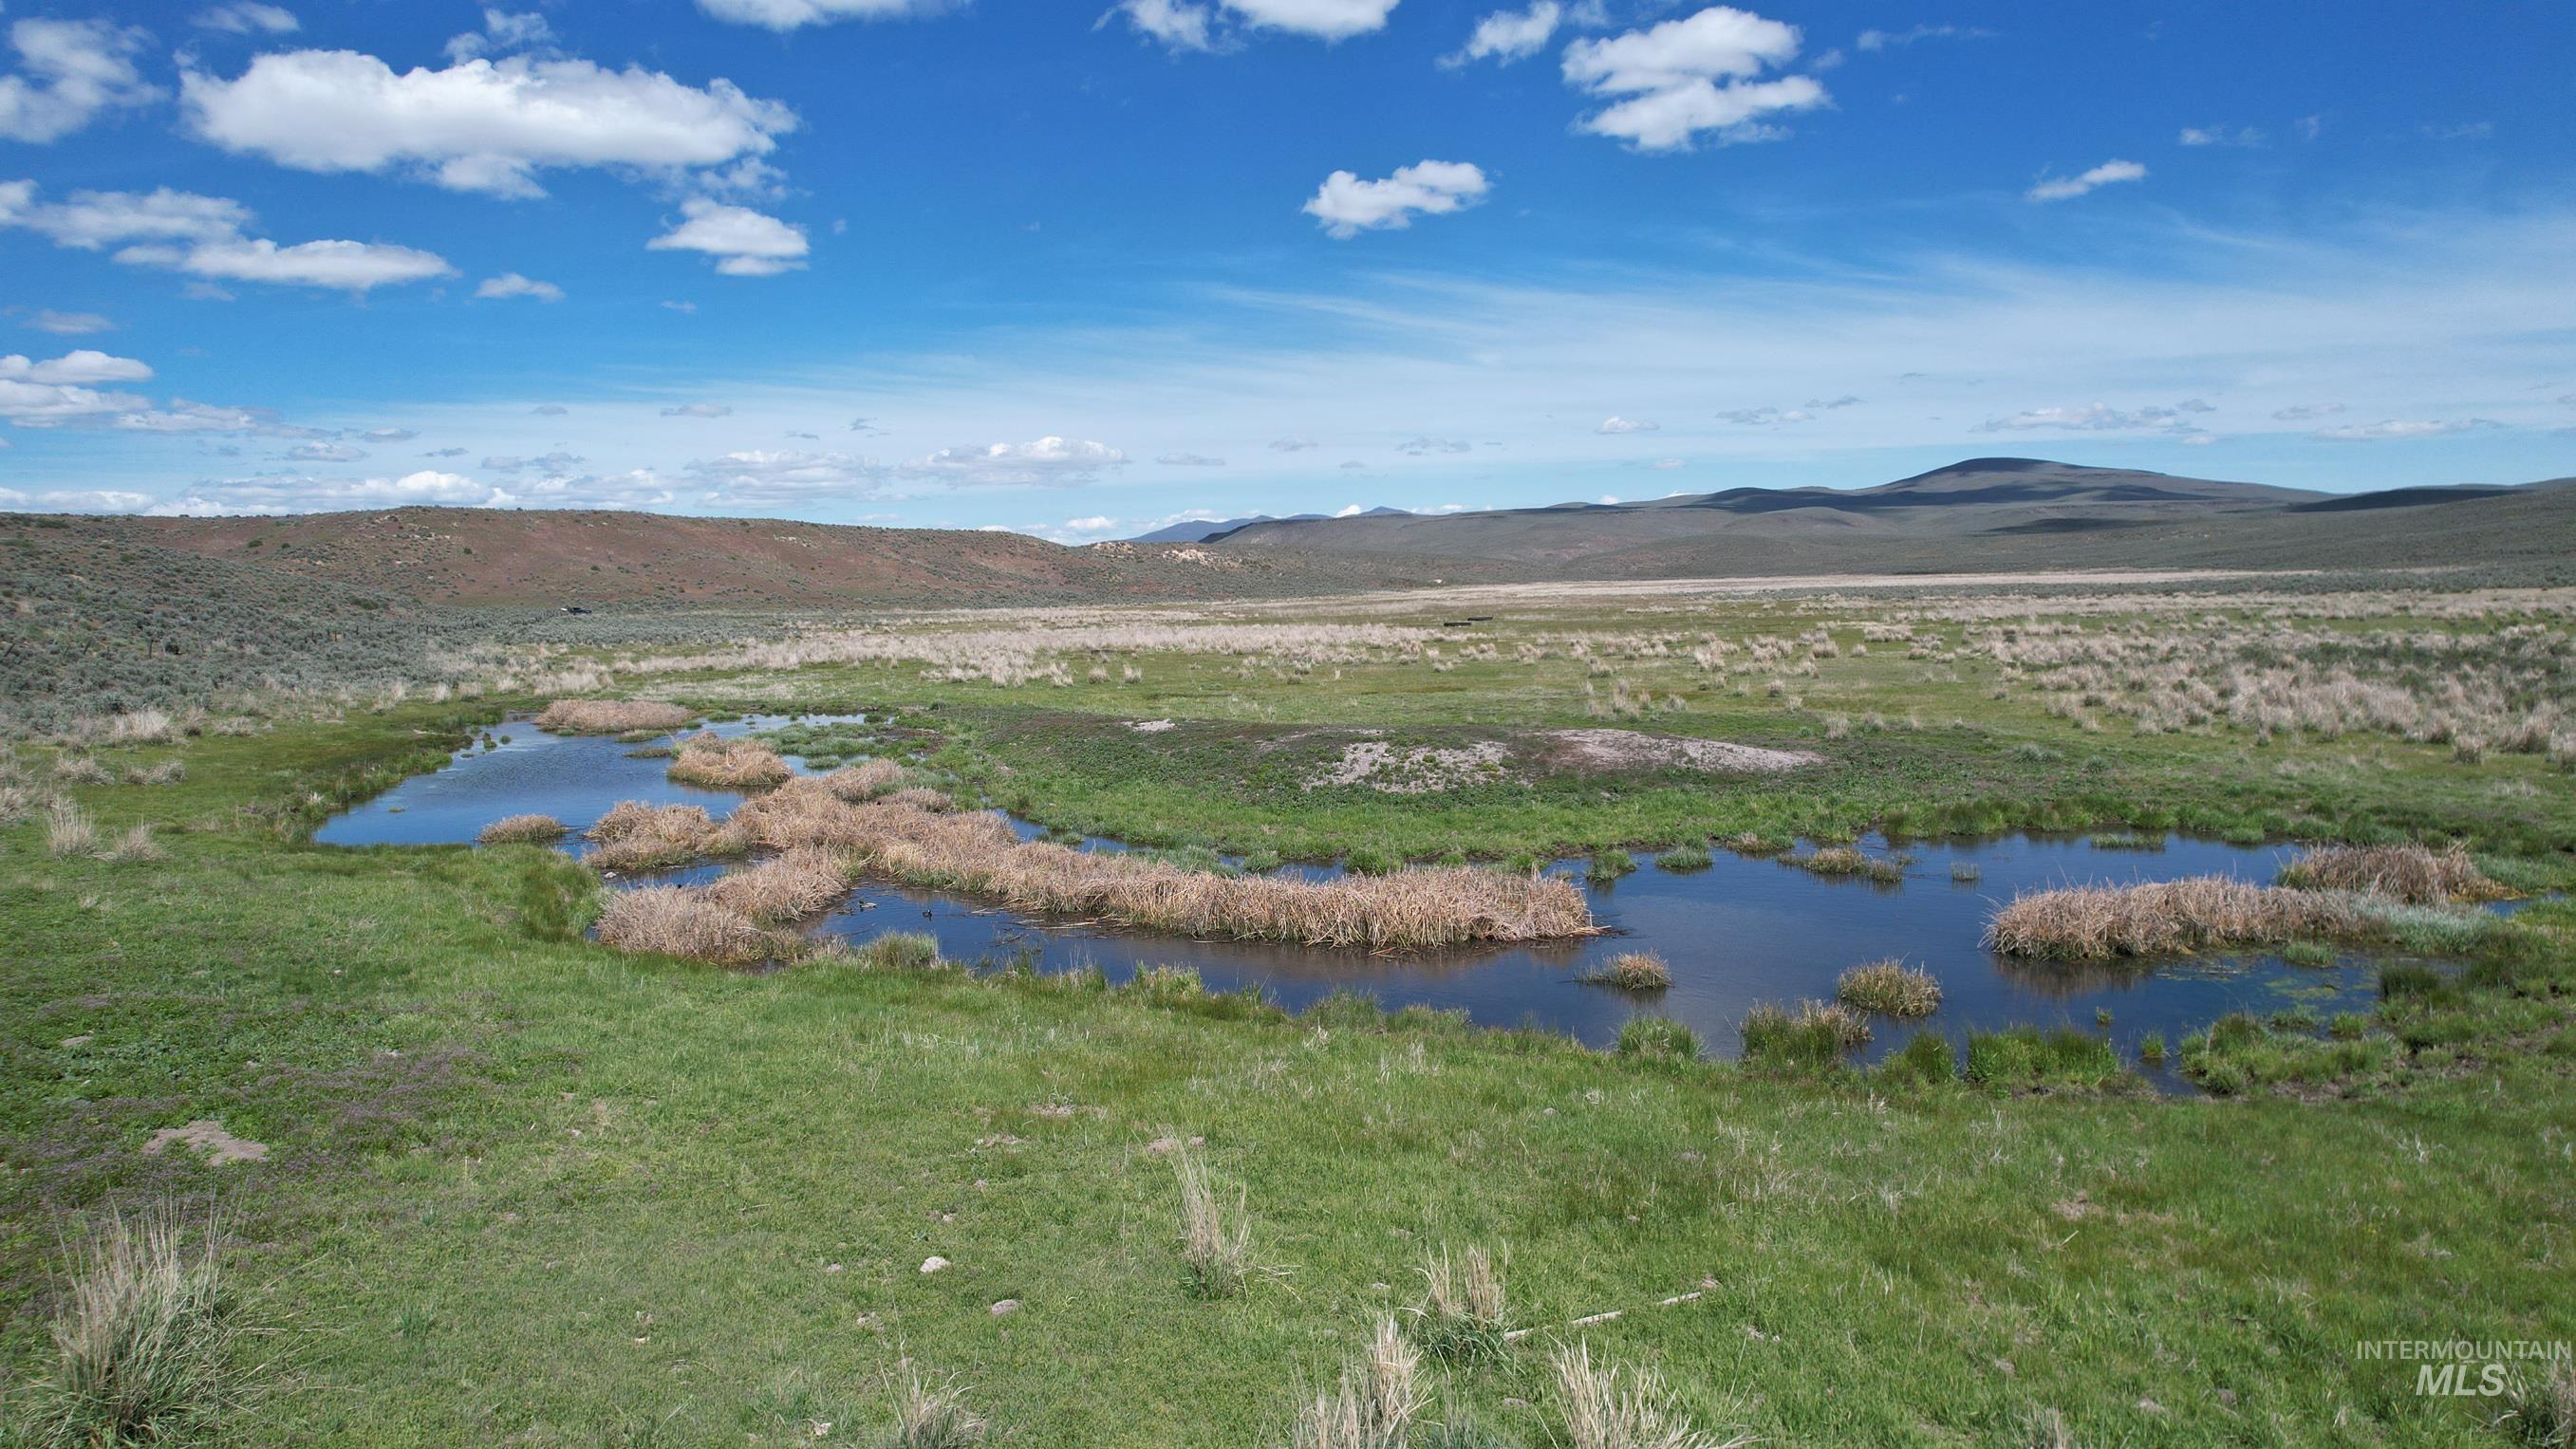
x: 1744, y: 931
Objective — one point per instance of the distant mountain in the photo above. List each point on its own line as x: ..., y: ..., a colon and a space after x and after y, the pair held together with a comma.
x: 1982, y: 513
x: 1202, y: 531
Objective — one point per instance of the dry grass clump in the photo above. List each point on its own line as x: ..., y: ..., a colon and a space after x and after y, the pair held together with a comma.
x: 784, y: 888
x: 1464, y: 1317
x: 81, y: 770
x: 721, y: 764
x: 977, y: 853
x: 678, y: 921
x: 931, y: 1415
x: 68, y: 829
x: 2408, y: 873
x: 135, y: 843
x: 146, y: 1344
x: 1374, y: 1404
x: 921, y: 797
x: 1606, y: 1407
x: 865, y: 780
x: 637, y: 836
x: 2162, y: 918
x: 521, y: 830
x: 1889, y: 987
x: 1631, y: 971
x: 612, y: 716
x: 1216, y: 1254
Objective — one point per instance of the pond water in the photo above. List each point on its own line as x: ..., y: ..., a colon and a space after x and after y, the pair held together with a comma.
x: 1744, y: 931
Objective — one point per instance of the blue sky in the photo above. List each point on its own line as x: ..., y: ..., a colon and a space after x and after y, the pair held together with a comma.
x: 1081, y: 268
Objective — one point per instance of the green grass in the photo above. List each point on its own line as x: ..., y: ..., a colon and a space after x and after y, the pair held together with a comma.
x: 519, y: 1188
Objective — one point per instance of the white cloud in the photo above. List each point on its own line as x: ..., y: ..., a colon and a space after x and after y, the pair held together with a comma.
x: 357, y: 267
x: 1877, y: 40
x: 1177, y: 24
x: 69, y: 324
x: 552, y: 465
x: 1188, y: 460
x: 502, y: 32
x: 2463, y: 131
x: 1765, y: 417
x: 791, y: 14
x: 1347, y: 206
x: 1615, y: 424
x: 202, y: 237
x: 511, y: 284
x: 2246, y: 136
x: 481, y: 125
x: 388, y: 435
x: 183, y: 416
x: 1669, y: 78
x: 1049, y: 461
x: 81, y: 366
x: 2063, y: 188
x: 1509, y: 35
x: 759, y: 476
x: 746, y: 243
x: 2402, y: 429
x: 69, y: 72
x: 2099, y: 418
x: 1292, y: 445
x: 2305, y: 412
x: 1323, y: 19
x: 325, y: 453
x: 249, y: 18
x: 1424, y: 447
x: 698, y: 410
x: 32, y: 404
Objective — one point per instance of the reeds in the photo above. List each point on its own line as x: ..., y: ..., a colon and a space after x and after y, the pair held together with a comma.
x: 1630, y: 971
x: 612, y: 716
x: 787, y: 887
x: 2409, y: 873
x: 1889, y: 987
x: 722, y: 764
x: 521, y: 830
x: 1373, y: 1405
x: 1216, y: 1244
x: 2163, y: 918
x: 637, y: 836
x: 977, y: 853
x: 677, y: 921
x: 145, y: 1342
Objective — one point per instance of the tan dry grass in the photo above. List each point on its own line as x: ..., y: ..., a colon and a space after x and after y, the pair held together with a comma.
x: 2409, y: 873
x: 1890, y: 987
x: 865, y: 780
x: 1605, y: 1407
x: 679, y: 921
x: 521, y: 830
x: 1374, y: 1404
x: 636, y: 836
x: 721, y: 764
x: 2162, y: 918
x: 1631, y: 971
x: 784, y: 888
x: 611, y: 716
x: 977, y: 853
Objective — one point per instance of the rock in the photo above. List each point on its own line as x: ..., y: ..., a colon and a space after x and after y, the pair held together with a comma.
x: 1006, y: 1308
x: 210, y: 1139
x: 933, y: 1263
x: 81, y: 1040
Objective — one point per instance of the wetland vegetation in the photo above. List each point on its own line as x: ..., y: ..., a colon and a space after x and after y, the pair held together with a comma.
x: 506, y: 1113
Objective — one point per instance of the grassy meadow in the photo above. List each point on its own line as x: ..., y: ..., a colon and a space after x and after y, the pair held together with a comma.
x: 518, y: 1187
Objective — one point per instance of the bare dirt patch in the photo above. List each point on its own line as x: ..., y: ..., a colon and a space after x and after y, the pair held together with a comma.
x: 1605, y: 751
x: 209, y: 1140
x: 1419, y: 771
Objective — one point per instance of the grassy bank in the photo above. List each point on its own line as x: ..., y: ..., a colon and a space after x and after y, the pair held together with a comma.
x: 517, y: 1186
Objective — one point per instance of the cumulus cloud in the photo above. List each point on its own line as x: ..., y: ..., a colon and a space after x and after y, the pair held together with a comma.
x: 479, y: 125
x: 1188, y: 460
x: 2100, y: 418
x: 697, y: 410
x: 202, y: 236
x: 325, y: 453
x: 2402, y: 429
x: 2063, y: 188
x: 1347, y: 206
x: 80, y: 366
x: 511, y: 284
x: 69, y: 71
x: 389, y: 435
x: 2306, y: 412
x: 745, y: 243
x: 1049, y: 461
x: 1615, y: 424
x: 183, y: 416
x: 1322, y: 19
x: 1177, y: 24
x: 1764, y: 417
x: 1683, y: 77
x: 556, y: 464
x: 502, y: 32
x: 1509, y: 35
x: 2246, y: 136
x: 760, y: 476
x: 792, y: 14
x: 249, y: 19
x: 69, y: 324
